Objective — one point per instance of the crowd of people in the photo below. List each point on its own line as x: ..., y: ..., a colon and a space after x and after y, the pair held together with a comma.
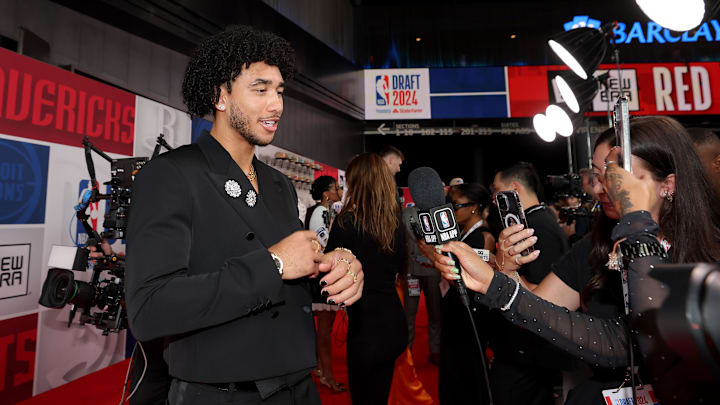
x: 575, y: 303
x: 227, y: 280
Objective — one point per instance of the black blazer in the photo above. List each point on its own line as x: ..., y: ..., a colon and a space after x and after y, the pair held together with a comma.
x: 199, y: 273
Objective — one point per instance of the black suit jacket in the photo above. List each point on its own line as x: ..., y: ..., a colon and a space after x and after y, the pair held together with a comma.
x: 199, y: 273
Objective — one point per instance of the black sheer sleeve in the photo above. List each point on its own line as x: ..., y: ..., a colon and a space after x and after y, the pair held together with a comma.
x: 600, y: 342
x: 603, y: 342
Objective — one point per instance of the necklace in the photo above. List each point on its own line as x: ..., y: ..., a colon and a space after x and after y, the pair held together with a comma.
x: 252, y: 175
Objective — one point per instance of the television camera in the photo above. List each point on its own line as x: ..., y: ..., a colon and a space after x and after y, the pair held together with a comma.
x: 106, y: 289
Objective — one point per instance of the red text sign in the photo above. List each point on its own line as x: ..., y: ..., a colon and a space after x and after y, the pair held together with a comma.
x: 43, y: 102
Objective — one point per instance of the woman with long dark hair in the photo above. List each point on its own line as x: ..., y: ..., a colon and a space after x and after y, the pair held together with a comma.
x: 318, y: 219
x: 369, y: 225
x: 667, y: 207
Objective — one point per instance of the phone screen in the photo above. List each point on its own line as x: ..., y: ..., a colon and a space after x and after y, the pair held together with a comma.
x: 621, y: 120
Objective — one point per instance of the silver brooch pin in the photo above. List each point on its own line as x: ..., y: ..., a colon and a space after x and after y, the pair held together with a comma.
x: 251, y: 198
x: 232, y: 188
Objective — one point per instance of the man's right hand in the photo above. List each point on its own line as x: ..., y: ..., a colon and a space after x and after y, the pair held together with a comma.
x: 299, y: 254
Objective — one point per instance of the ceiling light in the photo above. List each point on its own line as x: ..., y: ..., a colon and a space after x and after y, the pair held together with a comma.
x: 581, y: 49
x: 513, y: 36
x: 576, y: 92
x: 676, y: 15
x: 544, y: 128
x: 418, y: 39
x: 559, y: 120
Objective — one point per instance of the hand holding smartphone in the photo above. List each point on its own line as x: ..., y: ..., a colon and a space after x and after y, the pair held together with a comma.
x: 511, y: 212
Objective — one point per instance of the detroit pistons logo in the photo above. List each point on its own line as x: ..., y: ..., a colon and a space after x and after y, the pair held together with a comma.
x: 382, y: 90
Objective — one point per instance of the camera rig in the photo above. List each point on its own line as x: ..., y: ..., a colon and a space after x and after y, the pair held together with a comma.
x: 106, y: 289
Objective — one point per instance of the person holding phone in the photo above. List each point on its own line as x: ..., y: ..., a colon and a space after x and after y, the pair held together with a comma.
x: 526, y: 368
x: 579, y: 306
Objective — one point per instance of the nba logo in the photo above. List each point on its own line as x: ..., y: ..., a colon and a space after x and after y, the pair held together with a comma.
x: 444, y: 220
x: 382, y: 86
x: 426, y: 224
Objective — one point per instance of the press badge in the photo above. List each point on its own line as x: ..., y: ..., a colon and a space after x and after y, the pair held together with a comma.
x: 413, y: 286
x: 623, y: 396
x: 483, y: 253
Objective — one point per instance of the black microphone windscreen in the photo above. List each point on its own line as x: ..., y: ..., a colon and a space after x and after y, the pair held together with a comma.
x: 426, y: 188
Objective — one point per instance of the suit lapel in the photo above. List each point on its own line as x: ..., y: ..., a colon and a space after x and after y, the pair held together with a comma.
x: 268, y: 218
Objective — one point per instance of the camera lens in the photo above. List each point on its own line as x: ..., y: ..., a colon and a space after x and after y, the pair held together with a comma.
x: 502, y: 202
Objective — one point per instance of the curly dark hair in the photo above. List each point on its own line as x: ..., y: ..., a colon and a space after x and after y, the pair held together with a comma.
x: 220, y: 59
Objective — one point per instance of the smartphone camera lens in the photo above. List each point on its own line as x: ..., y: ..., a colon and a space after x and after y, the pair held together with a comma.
x: 502, y: 202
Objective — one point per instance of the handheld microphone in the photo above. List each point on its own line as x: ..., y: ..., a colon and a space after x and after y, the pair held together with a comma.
x: 436, y: 218
x: 438, y: 225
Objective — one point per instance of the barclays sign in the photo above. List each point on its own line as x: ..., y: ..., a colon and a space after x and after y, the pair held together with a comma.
x: 650, y: 33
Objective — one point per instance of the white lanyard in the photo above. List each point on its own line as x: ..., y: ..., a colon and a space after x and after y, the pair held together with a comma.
x: 477, y: 225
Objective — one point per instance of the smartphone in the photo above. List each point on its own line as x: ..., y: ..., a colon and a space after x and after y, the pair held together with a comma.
x: 621, y: 121
x: 511, y: 212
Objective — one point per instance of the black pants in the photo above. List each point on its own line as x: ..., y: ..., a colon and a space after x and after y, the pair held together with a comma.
x: 155, y: 383
x: 521, y: 384
x: 187, y: 393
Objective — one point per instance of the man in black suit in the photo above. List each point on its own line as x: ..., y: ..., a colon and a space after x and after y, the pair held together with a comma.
x: 217, y: 263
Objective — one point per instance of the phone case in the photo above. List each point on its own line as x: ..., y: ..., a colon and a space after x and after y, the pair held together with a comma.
x: 511, y: 212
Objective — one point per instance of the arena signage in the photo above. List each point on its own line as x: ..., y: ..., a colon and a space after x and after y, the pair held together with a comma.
x: 23, y: 182
x: 650, y: 32
x: 18, y: 338
x: 397, y: 93
x: 42, y: 102
x: 14, y: 269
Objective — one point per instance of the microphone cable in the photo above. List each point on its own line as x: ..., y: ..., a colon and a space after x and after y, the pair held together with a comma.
x: 465, y: 299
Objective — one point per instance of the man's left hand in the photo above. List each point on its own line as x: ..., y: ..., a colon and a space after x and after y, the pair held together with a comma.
x: 345, y: 279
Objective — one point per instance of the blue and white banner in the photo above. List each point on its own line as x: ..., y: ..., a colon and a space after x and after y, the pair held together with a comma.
x: 397, y: 94
x: 23, y: 182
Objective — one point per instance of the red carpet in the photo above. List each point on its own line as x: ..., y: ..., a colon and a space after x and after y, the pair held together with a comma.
x: 105, y: 386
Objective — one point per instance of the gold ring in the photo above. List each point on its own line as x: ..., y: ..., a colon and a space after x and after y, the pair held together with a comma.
x: 318, y: 247
x: 516, y: 260
x: 342, y: 249
x: 353, y: 275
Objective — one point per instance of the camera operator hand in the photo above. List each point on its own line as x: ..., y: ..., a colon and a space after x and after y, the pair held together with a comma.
x: 627, y: 192
x: 476, y: 273
x: 106, y: 250
x: 345, y: 279
x: 511, y: 242
x: 300, y: 253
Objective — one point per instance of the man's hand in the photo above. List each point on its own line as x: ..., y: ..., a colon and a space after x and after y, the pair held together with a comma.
x: 300, y: 253
x: 106, y: 251
x: 345, y: 279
